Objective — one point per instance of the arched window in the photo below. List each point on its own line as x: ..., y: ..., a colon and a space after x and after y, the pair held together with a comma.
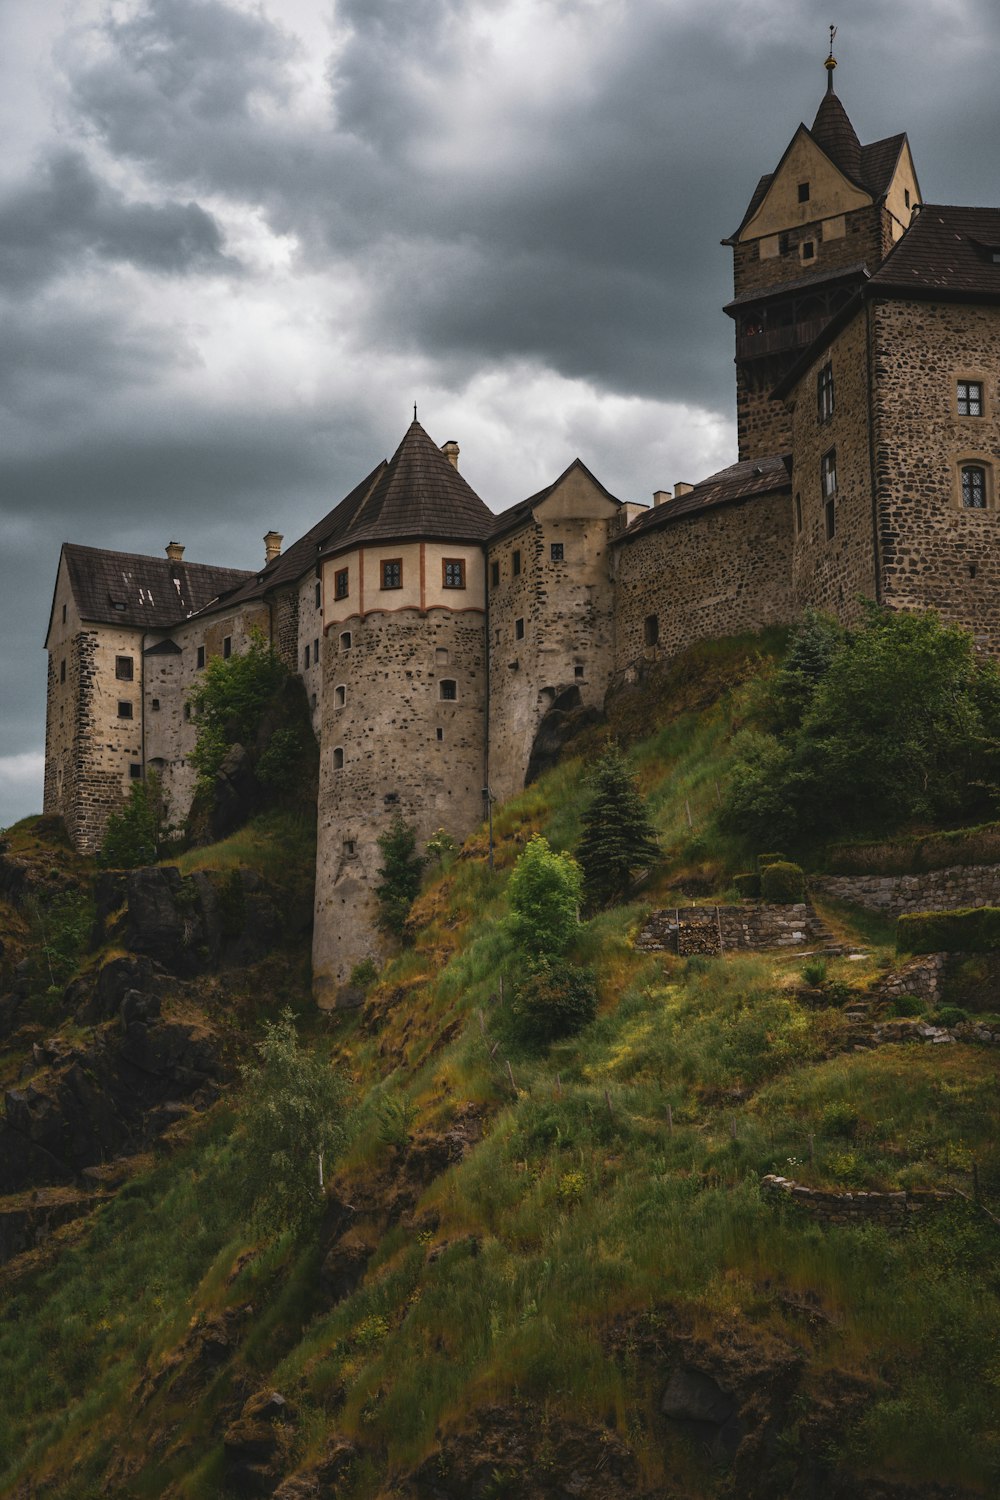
x: 345, y: 640
x: 338, y: 759
x: 973, y: 487
x: 340, y: 696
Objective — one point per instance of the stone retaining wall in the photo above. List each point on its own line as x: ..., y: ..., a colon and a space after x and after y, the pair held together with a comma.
x: 716, y: 929
x: 936, y: 890
x: 892, y: 1210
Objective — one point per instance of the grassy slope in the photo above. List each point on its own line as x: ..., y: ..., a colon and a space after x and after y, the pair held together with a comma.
x: 580, y: 1228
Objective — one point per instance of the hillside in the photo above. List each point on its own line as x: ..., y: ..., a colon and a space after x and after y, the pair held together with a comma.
x: 535, y: 1273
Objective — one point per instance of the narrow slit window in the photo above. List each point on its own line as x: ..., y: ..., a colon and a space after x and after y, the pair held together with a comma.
x: 339, y: 696
x: 319, y: 595
x: 651, y: 630
x: 516, y: 562
x: 307, y: 658
x: 828, y: 474
x: 341, y: 583
x: 519, y: 630
x: 798, y: 513
x: 62, y: 670
x: 830, y: 515
x: 227, y: 647
x: 201, y: 656
x: 803, y: 192
x: 494, y: 575
x: 338, y: 759
x: 824, y: 393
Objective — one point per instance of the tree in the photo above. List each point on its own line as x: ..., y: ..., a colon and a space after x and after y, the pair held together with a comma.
x: 399, y: 877
x: 292, y: 1117
x: 132, y: 836
x: 544, y: 894
x: 618, y: 836
x: 230, y: 701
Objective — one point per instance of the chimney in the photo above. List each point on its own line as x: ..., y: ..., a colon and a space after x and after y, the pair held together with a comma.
x: 272, y: 546
x: 660, y: 497
x: 680, y: 488
x: 451, y: 450
x: 175, y: 552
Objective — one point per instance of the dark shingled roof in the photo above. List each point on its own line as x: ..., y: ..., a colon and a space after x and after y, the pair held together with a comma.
x: 742, y: 481
x: 832, y: 130
x: 418, y: 495
x: 153, y: 592
x: 300, y: 558
x: 945, y: 250
x: 516, y: 515
x: 799, y: 284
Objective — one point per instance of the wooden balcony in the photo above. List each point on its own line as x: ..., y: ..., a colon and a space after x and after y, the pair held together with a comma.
x: 789, y: 337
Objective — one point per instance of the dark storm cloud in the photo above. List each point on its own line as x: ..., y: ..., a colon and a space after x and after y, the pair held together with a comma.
x: 66, y: 212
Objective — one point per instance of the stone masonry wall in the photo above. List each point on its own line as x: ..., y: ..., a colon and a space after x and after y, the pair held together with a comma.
x: 833, y: 573
x: 863, y: 240
x: 935, y: 554
x: 701, y: 929
x: 891, y: 1210
x: 403, y: 748
x: 719, y: 573
x: 567, y: 609
x: 893, y: 895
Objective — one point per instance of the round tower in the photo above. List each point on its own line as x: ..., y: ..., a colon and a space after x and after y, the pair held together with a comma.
x: 404, y: 687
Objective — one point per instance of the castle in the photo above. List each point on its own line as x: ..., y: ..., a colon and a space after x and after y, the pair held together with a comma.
x: 433, y: 637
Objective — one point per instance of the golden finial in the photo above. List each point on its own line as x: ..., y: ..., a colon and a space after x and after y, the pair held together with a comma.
x: 831, y: 61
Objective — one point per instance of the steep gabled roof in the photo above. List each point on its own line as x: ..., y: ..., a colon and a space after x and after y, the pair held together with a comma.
x: 419, y: 495
x: 947, y: 250
x: 520, y: 513
x: 746, y: 480
x: 299, y: 559
x: 147, y: 593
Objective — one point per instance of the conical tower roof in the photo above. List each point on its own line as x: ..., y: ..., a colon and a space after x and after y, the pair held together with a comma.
x: 833, y: 131
x: 419, y: 495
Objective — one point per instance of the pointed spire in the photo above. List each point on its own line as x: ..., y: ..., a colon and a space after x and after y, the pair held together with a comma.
x: 832, y: 128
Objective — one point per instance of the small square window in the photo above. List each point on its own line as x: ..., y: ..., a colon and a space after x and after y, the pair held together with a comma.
x: 348, y: 846
x: 123, y: 668
x: 578, y: 671
x: 453, y: 572
x: 341, y: 583
x: 556, y: 553
x: 319, y: 595
x: 970, y: 398
x: 124, y: 710
x: 135, y: 771
x: 62, y: 670
x: 227, y: 647
x: 448, y: 689
x: 516, y: 562
x: 155, y: 705
x: 803, y: 192
x: 345, y: 641
x: 392, y: 572
x: 201, y: 656
x: 519, y: 630
x: 494, y: 574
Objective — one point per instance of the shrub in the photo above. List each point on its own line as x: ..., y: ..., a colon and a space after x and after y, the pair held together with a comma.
x: 782, y: 882
x: 544, y: 894
x: 364, y: 974
x: 814, y: 972
x: 976, y: 930
x: 399, y: 877
x: 908, y: 1005
x: 230, y: 701
x: 554, y: 1000
x: 59, y: 931
x: 950, y: 1015
x: 747, y: 885
x: 618, y: 836
x: 132, y: 836
x: 763, y: 860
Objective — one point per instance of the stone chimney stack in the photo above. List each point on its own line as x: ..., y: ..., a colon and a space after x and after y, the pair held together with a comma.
x: 680, y: 488
x: 175, y: 552
x: 660, y: 497
x: 451, y: 450
x: 272, y: 546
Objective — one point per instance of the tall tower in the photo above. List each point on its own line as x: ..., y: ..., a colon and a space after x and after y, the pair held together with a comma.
x: 816, y: 227
x: 404, y: 686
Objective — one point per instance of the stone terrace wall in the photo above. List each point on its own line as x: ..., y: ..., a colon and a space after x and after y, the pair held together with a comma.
x: 700, y: 929
x: 936, y: 890
x: 893, y: 1210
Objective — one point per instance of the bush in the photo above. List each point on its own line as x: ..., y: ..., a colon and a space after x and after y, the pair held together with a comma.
x: 763, y: 860
x: 950, y: 1015
x: 908, y: 1005
x: 976, y: 930
x: 544, y: 894
x: 229, y: 704
x: 399, y: 877
x: 554, y: 1000
x: 132, y: 836
x: 748, y: 885
x: 814, y: 972
x: 364, y: 974
x: 782, y: 882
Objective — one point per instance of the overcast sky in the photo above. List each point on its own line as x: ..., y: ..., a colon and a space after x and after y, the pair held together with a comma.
x: 238, y: 240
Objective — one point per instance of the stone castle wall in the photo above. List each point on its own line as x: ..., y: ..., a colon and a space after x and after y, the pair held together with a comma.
x: 934, y: 553
x: 832, y: 573
x: 566, y: 609
x: 723, y: 572
x: 390, y: 742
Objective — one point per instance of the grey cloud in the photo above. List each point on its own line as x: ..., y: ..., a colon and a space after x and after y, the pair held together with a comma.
x: 67, y: 211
